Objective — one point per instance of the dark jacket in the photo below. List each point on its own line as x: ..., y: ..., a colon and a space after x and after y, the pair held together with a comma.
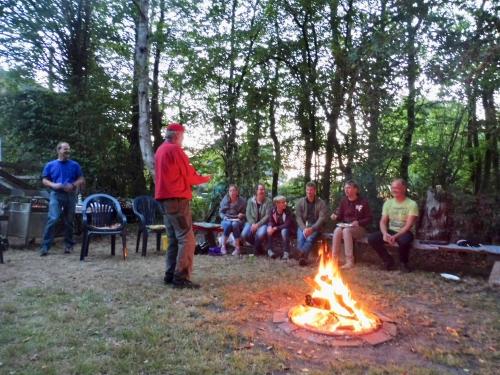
x: 350, y: 211
x: 287, y: 218
x: 230, y: 210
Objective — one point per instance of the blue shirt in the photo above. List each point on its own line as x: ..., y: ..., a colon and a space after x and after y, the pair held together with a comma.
x: 64, y: 172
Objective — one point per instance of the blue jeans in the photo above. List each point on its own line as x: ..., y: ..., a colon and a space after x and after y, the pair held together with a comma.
x: 257, y: 238
x: 61, y: 204
x: 305, y: 245
x: 233, y: 226
x: 285, y: 238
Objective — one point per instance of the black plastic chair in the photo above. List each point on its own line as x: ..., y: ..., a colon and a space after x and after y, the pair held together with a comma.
x: 150, y: 214
x: 102, y: 215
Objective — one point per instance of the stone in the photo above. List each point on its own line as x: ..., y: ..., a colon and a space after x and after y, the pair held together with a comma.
x: 494, y: 279
x: 288, y: 327
x: 280, y: 317
x: 377, y: 337
x: 390, y: 328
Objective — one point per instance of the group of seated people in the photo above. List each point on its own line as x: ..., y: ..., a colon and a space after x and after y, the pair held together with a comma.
x: 259, y: 221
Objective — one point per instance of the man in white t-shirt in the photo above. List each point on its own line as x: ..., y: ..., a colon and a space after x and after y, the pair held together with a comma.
x: 399, y: 214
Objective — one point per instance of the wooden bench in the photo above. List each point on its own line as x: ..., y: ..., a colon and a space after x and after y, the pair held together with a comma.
x: 491, y: 251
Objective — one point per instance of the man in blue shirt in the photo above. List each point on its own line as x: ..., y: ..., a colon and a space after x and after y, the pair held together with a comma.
x: 64, y: 177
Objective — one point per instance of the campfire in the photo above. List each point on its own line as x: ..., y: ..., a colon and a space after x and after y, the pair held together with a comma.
x: 330, y: 309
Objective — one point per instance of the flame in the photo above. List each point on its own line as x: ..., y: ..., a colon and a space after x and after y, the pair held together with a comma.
x: 330, y: 308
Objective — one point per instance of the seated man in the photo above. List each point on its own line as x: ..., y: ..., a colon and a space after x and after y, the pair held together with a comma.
x: 232, y: 213
x: 311, y: 213
x: 354, y: 216
x: 257, y: 215
x: 400, y: 213
x: 280, y: 224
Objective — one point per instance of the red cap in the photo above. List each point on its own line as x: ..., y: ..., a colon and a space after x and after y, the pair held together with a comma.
x: 175, y: 127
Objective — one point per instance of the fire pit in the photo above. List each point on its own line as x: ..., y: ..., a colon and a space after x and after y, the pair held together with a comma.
x: 331, y: 312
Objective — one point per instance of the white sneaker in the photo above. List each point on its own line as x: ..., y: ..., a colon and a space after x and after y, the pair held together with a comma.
x: 270, y: 253
x: 285, y: 256
x: 223, y: 250
x: 236, y: 251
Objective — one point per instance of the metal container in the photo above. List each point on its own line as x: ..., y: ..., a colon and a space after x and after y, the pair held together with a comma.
x: 19, y: 220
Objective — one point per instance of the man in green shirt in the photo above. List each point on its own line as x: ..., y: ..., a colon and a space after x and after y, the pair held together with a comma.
x: 399, y: 214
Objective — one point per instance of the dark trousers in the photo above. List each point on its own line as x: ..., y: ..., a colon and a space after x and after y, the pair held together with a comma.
x: 376, y: 240
x: 180, y: 252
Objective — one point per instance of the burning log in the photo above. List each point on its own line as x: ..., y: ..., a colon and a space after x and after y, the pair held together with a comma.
x: 320, y: 303
x: 313, y: 284
x: 341, y: 302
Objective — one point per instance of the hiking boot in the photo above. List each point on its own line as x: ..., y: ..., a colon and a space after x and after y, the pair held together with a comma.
x: 285, y: 256
x: 236, y: 252
x: 303, y: 260
x: 44, y: 252
x: 168, y: 279
x: 184, y: 284
x: 68, y: 249
x: 404, y: 268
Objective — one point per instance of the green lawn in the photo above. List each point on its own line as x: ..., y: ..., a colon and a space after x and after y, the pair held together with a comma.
x: 109, y: 316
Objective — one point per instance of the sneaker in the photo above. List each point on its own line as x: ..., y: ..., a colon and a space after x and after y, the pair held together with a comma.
x: 404, y: 268
x: 68, y: 249
x: 223, y: 250
x: 168, y: 279
x: 184, y: 284
x: 303, y: 260
x: 270, y: 253
x: 236, y: 252
x: 44, y: 252
x: 285, y: 256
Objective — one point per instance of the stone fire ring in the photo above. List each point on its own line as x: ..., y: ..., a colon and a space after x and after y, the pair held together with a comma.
x: 387, y: 331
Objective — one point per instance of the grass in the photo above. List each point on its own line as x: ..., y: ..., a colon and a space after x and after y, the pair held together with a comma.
x: 107, y: 316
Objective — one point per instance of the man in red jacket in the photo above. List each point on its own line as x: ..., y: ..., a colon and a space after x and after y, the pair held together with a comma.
x: 174, y: 177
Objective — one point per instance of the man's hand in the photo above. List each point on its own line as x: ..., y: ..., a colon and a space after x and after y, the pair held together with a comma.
x: 254, y: 228
x: 308, y: 231
x: 333, y: 217
x: 355, y: 223
x: 68, y: 187
x: 389, y: 238
x: 241, y: 216
x: 271, y: 230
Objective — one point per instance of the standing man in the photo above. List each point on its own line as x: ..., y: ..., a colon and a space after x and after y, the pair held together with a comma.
x: 174, y: 178
x: 64, y: 177
x: 311, y: 213
x: 258, y: 208
x: 399, y: 214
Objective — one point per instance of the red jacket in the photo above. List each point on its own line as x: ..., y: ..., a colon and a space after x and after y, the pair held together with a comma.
x: 174, y: 175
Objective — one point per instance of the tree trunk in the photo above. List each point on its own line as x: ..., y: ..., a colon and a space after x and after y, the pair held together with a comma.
x: 136, y: 170
x: 491, y: 152
x: 156, y: 114
x: 272, y: 130
x: 412, y: 73
x: 143, y: 80
x: 473, y: 140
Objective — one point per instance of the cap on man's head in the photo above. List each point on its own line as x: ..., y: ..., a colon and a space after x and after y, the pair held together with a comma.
x: 175, y: 127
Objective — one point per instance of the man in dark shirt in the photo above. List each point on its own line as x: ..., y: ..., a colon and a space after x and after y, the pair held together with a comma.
x: 354, y: 216
x: 64, y: 177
